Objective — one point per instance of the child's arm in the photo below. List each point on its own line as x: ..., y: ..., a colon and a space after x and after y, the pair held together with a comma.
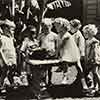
x: 1, y: 53
x: 60, y: 44
x: 64, y: 42
x: 82, y: 45
x: 3, y: 57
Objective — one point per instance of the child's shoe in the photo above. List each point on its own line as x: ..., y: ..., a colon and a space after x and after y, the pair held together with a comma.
x: 3, y: 91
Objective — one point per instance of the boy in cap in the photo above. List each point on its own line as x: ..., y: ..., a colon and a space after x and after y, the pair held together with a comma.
x: 7, y: 52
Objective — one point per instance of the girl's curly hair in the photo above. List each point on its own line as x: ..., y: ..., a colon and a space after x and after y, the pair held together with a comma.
x: 76, y: 23
x: 63, y: 22
x: 90, y: 29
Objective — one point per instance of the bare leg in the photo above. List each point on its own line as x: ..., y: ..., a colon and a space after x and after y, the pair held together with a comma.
x: 49, y: 75
x: 83, y: 81
x: 96, y: 75
x: 90, y: 76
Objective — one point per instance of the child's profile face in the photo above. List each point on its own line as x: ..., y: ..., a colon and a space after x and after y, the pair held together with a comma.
x: 72, y: 29
x: 91, y: 34
x: 12, y: 30
x: 86, y: 35
x: 45, y: 29
x: 59, y: 28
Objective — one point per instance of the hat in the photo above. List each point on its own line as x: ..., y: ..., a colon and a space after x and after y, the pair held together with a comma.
x: 9, y: 23
x: 76, y: 23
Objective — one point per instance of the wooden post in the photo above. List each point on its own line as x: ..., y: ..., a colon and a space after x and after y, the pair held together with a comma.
x: 98, y: 12
x: 13, y: 7
x: 98, y: 8
x: 84, y: 10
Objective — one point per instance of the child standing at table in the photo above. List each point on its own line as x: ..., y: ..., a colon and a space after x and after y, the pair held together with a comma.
x: 68, y: 50
x: 78, y: 37
x: 49, y: 43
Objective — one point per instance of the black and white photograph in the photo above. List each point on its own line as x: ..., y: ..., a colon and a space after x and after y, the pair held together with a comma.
x: 49, y: 49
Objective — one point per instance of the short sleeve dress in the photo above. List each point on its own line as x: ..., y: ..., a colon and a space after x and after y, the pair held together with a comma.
x: 69, y: 52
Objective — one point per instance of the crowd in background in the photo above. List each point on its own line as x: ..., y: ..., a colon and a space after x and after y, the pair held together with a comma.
x: 29, y: 36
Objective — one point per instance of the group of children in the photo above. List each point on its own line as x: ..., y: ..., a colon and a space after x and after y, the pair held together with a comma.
x: 58, y: 39
x: 74, y: 47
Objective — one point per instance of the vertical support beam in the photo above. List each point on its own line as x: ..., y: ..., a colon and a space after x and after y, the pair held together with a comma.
x: 98, y: 8
x: 98, y: 12
x: 84, y: 2
x: 13, y: 7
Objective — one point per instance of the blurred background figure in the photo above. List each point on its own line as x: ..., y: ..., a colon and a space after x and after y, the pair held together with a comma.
x: 91, y: 60
x: 7, y: 52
